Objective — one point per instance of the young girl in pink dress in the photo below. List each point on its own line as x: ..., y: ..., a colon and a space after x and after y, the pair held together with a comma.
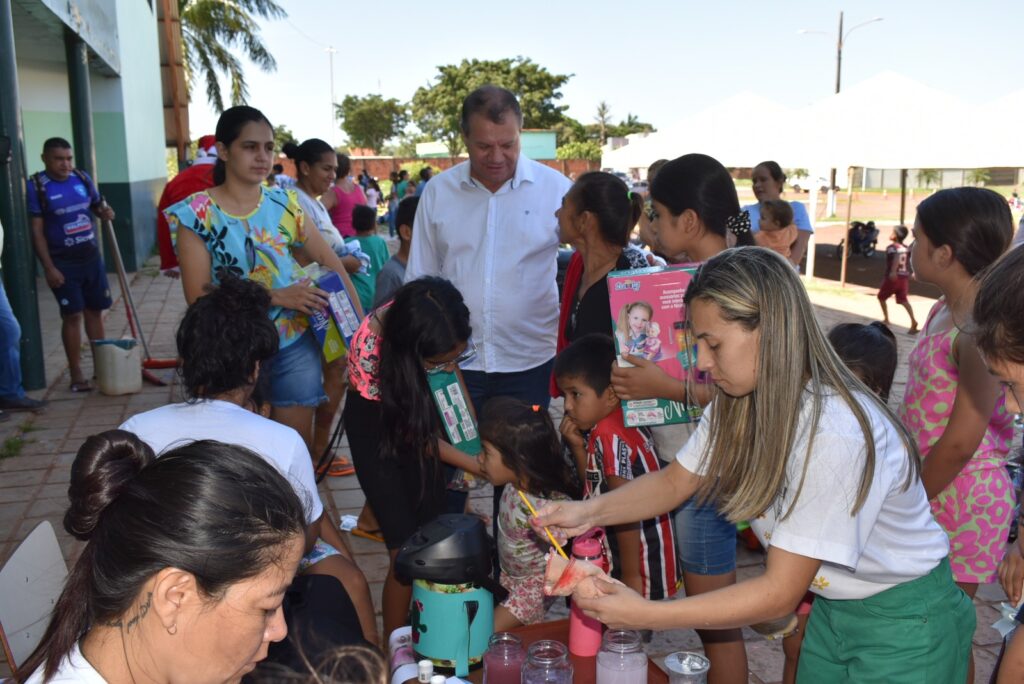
x: 521, y: 448
x: 953, y: 405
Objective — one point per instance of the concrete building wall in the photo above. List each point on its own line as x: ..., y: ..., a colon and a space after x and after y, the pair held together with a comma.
x: 127, y: 122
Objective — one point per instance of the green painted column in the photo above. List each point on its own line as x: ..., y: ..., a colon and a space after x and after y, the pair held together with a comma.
x: 18, y: 257
x: 81, y: 103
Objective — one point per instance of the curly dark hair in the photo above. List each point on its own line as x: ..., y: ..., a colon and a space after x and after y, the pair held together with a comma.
x: 529, y: 446
x: 222, y: 337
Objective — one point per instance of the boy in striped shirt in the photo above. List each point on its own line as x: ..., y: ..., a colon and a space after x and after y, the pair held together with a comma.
x: 608, y: 454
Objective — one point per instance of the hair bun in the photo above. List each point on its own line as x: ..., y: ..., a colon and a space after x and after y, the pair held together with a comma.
x: 105, y: 465
x: 290, y: 149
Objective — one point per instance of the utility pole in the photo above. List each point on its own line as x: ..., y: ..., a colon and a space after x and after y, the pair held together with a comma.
x: 334, y: 117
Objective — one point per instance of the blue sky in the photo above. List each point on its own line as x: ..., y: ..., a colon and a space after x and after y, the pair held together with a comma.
x: 658, y: 60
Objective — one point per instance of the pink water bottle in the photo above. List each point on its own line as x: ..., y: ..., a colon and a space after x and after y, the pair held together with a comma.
x: 585, y: 632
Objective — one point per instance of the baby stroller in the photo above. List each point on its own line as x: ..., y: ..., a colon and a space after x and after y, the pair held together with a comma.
x: 862, y: 239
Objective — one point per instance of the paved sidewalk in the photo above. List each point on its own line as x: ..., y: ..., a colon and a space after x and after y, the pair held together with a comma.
x: 34, y: 474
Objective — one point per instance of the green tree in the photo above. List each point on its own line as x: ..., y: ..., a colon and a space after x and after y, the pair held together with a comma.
x: 213, y: 32
x: 370, y: 121
x: 569, y: 130
x: 603, y: 117
x: 584, y: 149
x: 631, y: 124
x: 928, y: 176
x: 282, y: 135
x: 436, y: 108
x: 978, y: 176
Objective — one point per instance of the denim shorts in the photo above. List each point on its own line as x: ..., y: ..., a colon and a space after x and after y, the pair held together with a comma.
x: 706, y: 541
x: 320, y: 550
x: 296, y: 378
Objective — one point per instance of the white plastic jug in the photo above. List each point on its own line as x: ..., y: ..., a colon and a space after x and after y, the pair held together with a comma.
x: 118, y: 366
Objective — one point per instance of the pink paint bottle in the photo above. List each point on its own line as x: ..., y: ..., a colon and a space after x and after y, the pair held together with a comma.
x: 584, y: 632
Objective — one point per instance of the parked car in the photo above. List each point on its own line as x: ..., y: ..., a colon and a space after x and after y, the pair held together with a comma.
x: 804, y: 183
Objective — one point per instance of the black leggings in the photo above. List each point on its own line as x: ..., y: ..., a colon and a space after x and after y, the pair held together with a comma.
x: 405, y: 494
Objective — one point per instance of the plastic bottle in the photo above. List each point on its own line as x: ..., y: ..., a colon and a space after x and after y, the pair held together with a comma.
x: 425, y: 671
x: 585, y: 632
x: 621, y: 659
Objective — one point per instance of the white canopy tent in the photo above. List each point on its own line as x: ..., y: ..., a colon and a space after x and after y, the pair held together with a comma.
x: 887, y: 121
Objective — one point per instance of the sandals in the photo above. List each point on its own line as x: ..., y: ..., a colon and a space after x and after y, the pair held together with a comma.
x: 367, y: 534
x: 83, y: 386
x: 339, y: 467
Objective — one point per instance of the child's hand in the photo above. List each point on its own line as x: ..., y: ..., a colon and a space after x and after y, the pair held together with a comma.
x: 571, y: 433
x: 1011, y: 573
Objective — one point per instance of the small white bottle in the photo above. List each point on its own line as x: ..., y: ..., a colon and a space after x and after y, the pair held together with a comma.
x: 426, y: 671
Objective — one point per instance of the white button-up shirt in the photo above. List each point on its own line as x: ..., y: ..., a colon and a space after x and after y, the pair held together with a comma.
x: 499, y: 249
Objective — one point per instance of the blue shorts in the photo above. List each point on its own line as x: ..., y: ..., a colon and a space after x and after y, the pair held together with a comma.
x: 705, y: 540
x: 85, y: 287
x: 295, y: 375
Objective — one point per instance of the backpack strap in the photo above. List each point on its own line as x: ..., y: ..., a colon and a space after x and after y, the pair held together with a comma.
x: 86, y: 181
x: 37, y: 181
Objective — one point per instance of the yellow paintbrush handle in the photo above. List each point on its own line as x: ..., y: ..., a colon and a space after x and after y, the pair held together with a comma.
x: 533, y: 512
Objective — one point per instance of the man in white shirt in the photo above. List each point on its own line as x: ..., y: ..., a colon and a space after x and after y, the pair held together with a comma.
x: 488, y: 225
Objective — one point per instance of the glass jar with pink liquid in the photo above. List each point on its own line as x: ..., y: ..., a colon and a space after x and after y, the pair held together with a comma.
x: 503, y: 661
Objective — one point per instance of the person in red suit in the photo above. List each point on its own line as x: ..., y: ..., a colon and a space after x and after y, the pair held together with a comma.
x: 195, y: 178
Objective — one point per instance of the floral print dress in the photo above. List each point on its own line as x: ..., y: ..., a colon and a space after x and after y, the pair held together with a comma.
x: 256, y: 246
x: 522, y: 553
x: 976, y: 508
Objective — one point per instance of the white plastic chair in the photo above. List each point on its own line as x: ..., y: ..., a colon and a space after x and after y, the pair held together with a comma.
x: 30, y: 583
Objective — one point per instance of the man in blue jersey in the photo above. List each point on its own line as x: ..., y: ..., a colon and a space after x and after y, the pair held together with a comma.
x: 61, y: 204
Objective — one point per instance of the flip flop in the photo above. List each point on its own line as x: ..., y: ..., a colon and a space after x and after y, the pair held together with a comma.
x: 366, y: 534
x: 340, y: 467
x: 84, y: 386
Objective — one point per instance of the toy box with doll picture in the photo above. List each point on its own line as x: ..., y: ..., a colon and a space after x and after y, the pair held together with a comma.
x: 649, y: 322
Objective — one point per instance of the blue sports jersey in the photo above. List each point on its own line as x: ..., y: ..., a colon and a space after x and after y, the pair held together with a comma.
x: 67, y: 219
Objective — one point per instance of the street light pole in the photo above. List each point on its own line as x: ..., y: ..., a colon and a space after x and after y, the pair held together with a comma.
x: 830, y: 202
x: 840, y: 40
x: 330, y: 57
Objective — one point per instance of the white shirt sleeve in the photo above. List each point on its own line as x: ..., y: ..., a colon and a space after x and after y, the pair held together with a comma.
x: 302, y: 479
x: 820, y: 524
x: 800, y: 217
x: 423, y: 257
x: 690, y: 454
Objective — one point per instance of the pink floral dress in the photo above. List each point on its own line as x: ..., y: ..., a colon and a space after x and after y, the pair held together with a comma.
x: 976, y: 508
x: 522, y: 552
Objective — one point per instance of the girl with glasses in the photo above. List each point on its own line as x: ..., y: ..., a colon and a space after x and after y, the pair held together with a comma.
x: 392, y: 423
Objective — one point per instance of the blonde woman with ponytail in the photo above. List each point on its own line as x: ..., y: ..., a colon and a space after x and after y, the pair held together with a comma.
x: 829, y: 478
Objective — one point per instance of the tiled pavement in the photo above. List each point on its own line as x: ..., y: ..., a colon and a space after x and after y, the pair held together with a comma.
x: 33, y: 478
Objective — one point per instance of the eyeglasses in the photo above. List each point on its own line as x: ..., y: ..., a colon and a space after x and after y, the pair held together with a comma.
x: 468, y: 353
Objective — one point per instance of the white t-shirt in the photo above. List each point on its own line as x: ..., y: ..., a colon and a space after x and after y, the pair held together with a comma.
x: 893, y: 538
x: 499, y: 249
x: 178, y: 424
x: 316, y: 213
x: 73, y: 669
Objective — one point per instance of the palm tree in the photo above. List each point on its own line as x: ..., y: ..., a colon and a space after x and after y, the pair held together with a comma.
x: 211, y: 30
x: 603, y: 119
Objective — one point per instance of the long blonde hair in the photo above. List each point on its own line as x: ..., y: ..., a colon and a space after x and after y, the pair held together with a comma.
x: 623, y: 325
x: 751, y: 437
